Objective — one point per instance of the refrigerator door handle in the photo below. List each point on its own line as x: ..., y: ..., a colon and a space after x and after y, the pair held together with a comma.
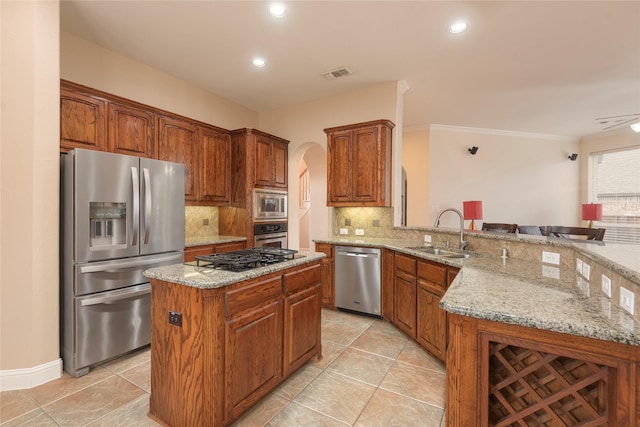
x: 119, y: 265
x: 136, y: 205
x: 147, y: 205
x: 114, y: 299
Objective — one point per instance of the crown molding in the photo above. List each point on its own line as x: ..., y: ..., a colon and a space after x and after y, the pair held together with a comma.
x: 504, y: 133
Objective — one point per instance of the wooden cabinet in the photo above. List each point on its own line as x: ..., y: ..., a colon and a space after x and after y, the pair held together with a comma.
x: 131, y: 130
x: 359, y: 164
x: 404, y: 285
x: 83, y: 121
x: 178, y: 142
x: 271, y: 163
x: 233, y: 345
x: 191, y: 252
x: 214, y: 166
x: 327, y: 274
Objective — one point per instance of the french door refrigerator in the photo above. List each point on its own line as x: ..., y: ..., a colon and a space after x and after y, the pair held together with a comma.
x: 120, y: 215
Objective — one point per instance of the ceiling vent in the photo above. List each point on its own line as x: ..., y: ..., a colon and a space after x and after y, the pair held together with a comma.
x: 337, y: 73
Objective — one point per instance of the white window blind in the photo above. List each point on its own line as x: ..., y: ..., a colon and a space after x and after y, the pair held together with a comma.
x: 614, y: 181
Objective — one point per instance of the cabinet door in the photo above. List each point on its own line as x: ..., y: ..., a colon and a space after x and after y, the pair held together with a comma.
x: 301, y: 327
x: 131, y: 130
x: 253, y: 356
x: 404, y: 312
x: 83, y: 121
x: 431, y: 322
x: 178, y: 142
x: 215, y: 167
x: 365, y: 165
x: 326, y: 274
x: 263, y: 163
x: 339, y: 168
x: 279, y: 152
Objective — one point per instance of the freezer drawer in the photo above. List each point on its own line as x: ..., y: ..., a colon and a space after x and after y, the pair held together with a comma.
x: 109, y: 324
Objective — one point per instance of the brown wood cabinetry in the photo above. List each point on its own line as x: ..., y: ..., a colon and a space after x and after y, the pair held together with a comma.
x: 234, y: 345
x: 270, y: 162
x: 215, y: 166
x: 359, y: 164
x: 404, y: 286
x: 131, y: 130
x: 83, y: 121
x: 328, y: 280
x: 191, y: 252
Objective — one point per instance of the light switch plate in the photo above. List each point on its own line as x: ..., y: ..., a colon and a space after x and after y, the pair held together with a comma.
x: 359, y: 232
x: 606, y: 286
x: 579, y: 265
x: 551, y: 257
x: 427, y: 238
x: 344, y: 231
x: 586, y: 270
x: 627, y: 300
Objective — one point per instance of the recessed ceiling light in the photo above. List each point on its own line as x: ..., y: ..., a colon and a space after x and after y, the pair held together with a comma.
x: 458, y: 27
x: 636, y: 127
x: 259, y: 62
x: 277, y: 10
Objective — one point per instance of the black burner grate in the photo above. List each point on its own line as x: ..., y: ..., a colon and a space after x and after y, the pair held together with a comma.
x: 245, y: 259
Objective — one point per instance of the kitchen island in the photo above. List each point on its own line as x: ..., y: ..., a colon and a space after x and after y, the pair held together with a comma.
x: 221, y: 340
x: 530, y: 343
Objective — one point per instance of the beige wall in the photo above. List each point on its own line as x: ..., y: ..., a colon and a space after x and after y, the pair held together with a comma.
x: 520, y: 178
x: 303, y: 126
x: 415, y: 161
x: 91, y: 65
x: 29, y: 193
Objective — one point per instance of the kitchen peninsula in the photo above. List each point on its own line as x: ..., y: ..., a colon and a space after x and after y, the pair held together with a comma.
x: 529, y: 342
x: 221, y: 340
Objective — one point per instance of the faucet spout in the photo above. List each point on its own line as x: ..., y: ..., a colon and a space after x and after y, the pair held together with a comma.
x: 463, y: 243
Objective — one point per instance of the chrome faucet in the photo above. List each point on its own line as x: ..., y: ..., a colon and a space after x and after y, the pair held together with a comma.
x: 463, y: 244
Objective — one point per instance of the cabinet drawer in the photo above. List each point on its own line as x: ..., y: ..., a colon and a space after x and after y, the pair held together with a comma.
x: 251, y: 295
x: 433, y: 273
x: 302, y: 278
x: 325, y: 249
x: 406, y: 263
x: 431, y: 287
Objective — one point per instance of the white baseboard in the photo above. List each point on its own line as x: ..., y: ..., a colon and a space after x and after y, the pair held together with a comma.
x: 19, y: 379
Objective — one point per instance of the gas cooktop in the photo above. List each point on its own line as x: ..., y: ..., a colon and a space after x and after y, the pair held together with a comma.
x: 245, y: 259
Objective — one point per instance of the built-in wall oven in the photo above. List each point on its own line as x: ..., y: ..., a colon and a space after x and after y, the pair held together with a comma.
x: 273, y: 234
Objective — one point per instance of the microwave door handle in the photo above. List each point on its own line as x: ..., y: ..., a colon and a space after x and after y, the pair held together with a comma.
x: 136, y: 205
x: 147, y: 205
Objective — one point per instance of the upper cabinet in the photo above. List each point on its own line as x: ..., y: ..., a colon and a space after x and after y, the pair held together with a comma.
x: 270, y: 161
x: 83, y: 121
x: 215, y: 166
x: 131, y: 130
x: 359, y: 164
x: 178, y: 142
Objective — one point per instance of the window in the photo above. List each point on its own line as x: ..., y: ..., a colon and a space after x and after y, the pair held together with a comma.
x: 614, y: 181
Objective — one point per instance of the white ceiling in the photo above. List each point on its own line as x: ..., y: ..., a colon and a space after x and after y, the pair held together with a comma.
x: 530, y: 66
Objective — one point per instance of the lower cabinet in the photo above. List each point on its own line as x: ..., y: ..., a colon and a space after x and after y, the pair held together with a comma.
x: 404, y: 286
x: 328, y: 269
x: 191, y: 252
x: 233, y: 345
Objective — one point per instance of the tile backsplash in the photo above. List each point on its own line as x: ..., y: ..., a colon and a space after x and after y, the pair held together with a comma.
x: 200, y: 221
x: 375, y: 222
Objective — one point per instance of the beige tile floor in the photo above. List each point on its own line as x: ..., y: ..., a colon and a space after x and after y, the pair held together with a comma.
x: 370, y: 375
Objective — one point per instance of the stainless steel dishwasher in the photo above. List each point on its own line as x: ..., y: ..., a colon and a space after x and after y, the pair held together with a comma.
x: 357, y: 279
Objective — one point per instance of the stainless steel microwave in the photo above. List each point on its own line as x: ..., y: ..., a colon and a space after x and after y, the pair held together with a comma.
x: 269, y: 205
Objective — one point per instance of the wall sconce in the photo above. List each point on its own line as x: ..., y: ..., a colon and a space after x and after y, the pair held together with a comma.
x: 573, y: 157
x: 472, y: 210
x: 592, y: 212
x: 473, y: 150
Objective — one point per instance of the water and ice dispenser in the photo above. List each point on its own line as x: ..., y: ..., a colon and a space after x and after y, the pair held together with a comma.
x: 108, y: 224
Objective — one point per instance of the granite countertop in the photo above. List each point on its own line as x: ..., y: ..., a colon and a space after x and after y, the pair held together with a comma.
x: 209, y: 278
x: 528, y: 293
x: 211, y: 240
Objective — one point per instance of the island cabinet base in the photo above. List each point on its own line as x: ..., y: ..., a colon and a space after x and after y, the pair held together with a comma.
x: 507, y: 375
x: 216, y: 352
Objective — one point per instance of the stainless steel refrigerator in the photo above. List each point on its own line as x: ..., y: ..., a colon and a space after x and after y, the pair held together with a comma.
x: 120, y: 215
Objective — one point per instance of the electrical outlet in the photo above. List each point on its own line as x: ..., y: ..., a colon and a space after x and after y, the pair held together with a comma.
x: 427, y: 238
x: 344, y: 231
x: 579, y: 265
x: 551, y: 257
x: 586, y: 270
x: 627, y: 300
x: 606, y: 286
x: 359, y: 232
x: 175, y: 318
x: 205, y: 221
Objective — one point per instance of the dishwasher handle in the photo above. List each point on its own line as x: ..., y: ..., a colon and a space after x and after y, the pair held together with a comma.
x: 358, y: 254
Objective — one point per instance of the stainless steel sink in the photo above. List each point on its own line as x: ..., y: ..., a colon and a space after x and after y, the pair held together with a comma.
x: 444, y: 253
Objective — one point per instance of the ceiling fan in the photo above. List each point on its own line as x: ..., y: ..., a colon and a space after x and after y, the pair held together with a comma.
x: 621, y: 120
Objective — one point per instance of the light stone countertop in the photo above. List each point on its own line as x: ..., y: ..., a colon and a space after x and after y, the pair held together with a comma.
x: 530, y: 293
x: 211, y: 240
x: 210, y: 278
